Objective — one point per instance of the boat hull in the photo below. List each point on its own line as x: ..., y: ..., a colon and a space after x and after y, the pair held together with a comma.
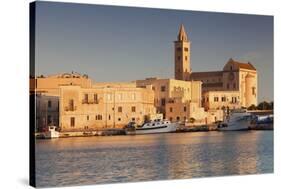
x: 162, y: 129
x: 51, y: 134
x: 239, y: 126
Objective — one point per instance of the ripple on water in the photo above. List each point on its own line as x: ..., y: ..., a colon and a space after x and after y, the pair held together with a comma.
x: 95, y: 160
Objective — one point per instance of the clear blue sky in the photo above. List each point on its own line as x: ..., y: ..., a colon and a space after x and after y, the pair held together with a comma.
x: 112, y: 43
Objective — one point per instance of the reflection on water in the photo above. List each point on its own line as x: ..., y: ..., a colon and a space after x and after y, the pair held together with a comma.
x: 93, y: 160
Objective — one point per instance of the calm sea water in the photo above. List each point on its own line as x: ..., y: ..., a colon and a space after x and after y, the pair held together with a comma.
x: 109, y: 159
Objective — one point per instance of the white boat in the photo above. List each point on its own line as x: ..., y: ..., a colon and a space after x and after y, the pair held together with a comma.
x: 263, y: 122
x: 151, y: 127
x: 51, y: 133
x: 236, y: 121
x: 263, y: 119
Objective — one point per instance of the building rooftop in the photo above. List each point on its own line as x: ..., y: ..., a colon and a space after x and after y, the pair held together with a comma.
x: 195, y: 75
x: 65, y: 75
x: 242, y: 65
x: 182, y: 36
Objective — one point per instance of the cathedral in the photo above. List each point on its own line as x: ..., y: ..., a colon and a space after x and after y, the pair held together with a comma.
x: 234, y: 86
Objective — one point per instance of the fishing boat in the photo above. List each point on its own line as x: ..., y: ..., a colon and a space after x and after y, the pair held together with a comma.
x: 151, y: 127
x: 51, y: 133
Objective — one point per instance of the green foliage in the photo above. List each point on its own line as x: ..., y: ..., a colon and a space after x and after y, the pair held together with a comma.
x: 265, y: 106
x: 252, y: 107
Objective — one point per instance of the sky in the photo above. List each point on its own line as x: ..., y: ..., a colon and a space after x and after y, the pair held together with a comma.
x: 111, y: 43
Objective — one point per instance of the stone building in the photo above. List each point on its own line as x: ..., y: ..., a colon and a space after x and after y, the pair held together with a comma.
x: 74, y: 102
x: 104, y: 105
x: 179, y: 100
x: 47, y: 111
x: 234, y: 87
x: 182, y: 56
x: 46, y: 92
x: 50, y: 84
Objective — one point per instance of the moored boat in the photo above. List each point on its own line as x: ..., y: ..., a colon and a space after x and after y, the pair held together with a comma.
x: 237, y: 120
x: 151, y: 127
x: 262, y: 122
x: 51, y: 133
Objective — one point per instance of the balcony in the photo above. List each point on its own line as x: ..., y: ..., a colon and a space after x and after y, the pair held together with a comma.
x: 70, y: 109
x: 86, y: 101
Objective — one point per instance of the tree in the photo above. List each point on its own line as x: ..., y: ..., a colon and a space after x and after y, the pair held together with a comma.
x: 252, y: 107
x: 271, y: 105
x: 264, y: 106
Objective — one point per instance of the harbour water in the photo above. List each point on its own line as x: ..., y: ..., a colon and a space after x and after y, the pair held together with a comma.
x: 111, y: 159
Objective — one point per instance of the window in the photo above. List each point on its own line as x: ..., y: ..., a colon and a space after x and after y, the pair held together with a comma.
x: 253, y: 90
x: 133, y: 109
x: 178, y: 118
x: 88, y: 117
x: 171, y: 119
x: 95, y: 98
x: 98, y: 117
x: 171, y: 109
x: 234, y: 100
x: 207, y: 100
x: 153, y: 88
x: 72, y: 121
x: 179, y: 58
x: 230, y: 67
x: 109, y: 117
x: 216, y: 99
x: 223, y: 99
x: 49, y: 120
x: 120, y: 109
x: 163, y: 88
x: 185, y: 57
x: 133, y: 119
x: 71, y: 104
x: 178, y: 49
x: 163, y: 101
x: 186, y: 49
x: 184, y: 109
x: 49, y: 104
x: 119, y: 119
x: 86, y: 98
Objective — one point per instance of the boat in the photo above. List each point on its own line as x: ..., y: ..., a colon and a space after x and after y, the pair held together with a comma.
x: 151, y: 127
x: 51, y: 133
x: 237, y: 120
x: 264, y: 119
x: 262, y: 122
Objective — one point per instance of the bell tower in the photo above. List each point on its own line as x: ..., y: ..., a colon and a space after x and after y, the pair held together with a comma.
x: 182, y: 56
